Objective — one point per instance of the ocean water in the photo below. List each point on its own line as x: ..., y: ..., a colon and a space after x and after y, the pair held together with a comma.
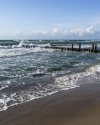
x: 31, y: 73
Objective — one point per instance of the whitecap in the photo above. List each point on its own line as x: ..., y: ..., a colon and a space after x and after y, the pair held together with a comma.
x: 3, y: 105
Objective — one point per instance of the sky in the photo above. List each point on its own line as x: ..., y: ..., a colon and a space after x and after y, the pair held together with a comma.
x: 49, y: 19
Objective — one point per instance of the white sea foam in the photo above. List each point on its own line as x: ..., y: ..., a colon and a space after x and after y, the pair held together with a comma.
x: 66, y: 82
x: 61, y: 83
x: 14, y: 50
x: 44, y: 45
x: 70, y: 81
x: 3, y: 105
x: 21, y: 51
x: 3, y: 87
x: 86, y: 46
x: 19, y: 45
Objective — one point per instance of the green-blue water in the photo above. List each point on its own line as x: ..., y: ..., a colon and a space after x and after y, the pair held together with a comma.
x: 30, y: 73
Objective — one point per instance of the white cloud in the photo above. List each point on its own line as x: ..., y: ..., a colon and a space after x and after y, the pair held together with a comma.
x: 82, y: 31
x: 56, y: 32
x: 90, y: 29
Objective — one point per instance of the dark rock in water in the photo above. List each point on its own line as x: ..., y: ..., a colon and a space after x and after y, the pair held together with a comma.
x: 53, y: 69
x: 38, y: 75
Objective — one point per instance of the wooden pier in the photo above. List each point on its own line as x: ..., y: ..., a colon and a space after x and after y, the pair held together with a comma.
x: 93, y: 47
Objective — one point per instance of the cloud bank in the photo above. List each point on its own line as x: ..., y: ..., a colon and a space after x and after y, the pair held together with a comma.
x: 57, y: 32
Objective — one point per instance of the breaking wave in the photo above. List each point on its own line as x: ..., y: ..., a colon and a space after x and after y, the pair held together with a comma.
x: 49, y: 86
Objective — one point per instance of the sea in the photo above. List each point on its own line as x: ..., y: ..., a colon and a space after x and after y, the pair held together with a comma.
x: 32, y: 73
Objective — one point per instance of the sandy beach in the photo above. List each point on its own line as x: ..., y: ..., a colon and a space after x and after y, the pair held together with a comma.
x: 79, y: 106
x: 50, y: 62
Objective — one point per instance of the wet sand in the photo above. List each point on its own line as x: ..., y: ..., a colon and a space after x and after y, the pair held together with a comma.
x: 79, y: 106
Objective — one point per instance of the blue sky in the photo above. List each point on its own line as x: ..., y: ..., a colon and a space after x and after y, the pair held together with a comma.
x: 49, y: 19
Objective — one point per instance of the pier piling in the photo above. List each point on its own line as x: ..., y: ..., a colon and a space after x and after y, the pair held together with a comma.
x: 79, y: 46
x: 72, y: 46
x: 93, y: 48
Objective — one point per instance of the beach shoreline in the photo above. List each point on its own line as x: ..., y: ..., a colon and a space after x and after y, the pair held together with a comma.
x: 76, y: 106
